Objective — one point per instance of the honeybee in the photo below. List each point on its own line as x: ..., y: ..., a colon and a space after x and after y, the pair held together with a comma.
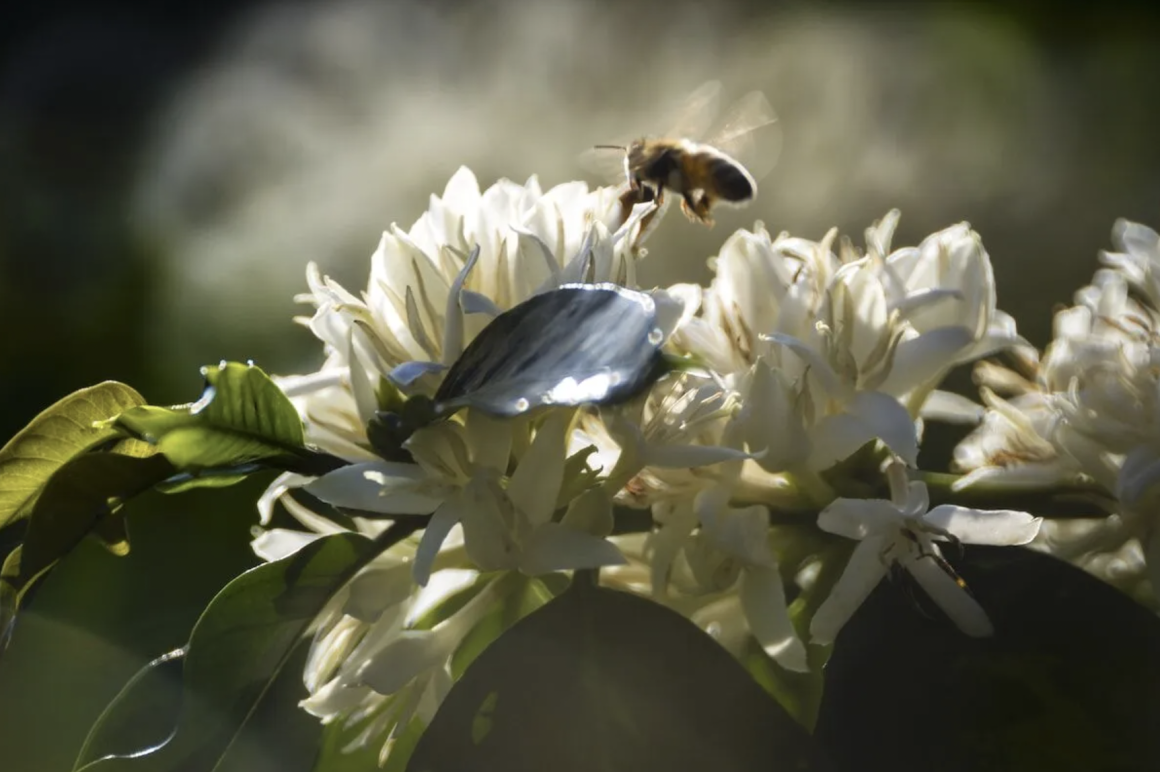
x: 706, y: 173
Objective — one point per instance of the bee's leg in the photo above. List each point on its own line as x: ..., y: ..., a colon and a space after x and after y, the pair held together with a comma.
x: 698, y: 208
x: 689, y: 206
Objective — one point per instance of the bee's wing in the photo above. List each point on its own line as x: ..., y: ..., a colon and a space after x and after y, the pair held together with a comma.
x: 605, y: 163
x: 695, y: 113
x: 750, y: 133
x: 690, y: 118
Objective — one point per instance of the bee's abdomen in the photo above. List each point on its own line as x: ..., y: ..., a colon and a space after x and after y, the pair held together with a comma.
x: 731, y: 181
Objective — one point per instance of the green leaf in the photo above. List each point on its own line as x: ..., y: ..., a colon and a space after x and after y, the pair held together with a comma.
x: 524, y: 595
x: 240, y: 646
x: 600, y: 679
x: 81, y: 498
x: 242, y: 417
x: 143, y: 713
x: 1069, y: 682
x: 337, y: 754
x: 58, y: 434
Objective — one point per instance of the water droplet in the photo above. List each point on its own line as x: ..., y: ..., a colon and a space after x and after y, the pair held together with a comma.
x: 521, y: 405
x: 713, y: 629
x: 656, y: 336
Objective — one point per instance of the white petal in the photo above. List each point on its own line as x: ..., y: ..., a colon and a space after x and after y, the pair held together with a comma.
x: 590, y: 512
x: 1139, y: 472
x: 1001, y: 527
x: 858, y: 518
x: 383, y: 486
x: 677, y: 521
x: 772, y: 420
x: 670, y: 310
x: 282, y: 483
x: 334, y: 699
x: 556, y: 547
x: 817, y: 364
x: 919, y: 360
x: 453, y: 316
x: 744, y: 533
x: 361, y: 387
x: 535, y: 485
x: 870, y: 415
x: 489, y: 440
x: 477, y: 303
x: 958, y: 604
x: 488, y: 520
x: 400, y: 661
x: 951, y: 408
x: 377, y: 588
x: 277, y: 543
x: 889, y: 422
x: 763, y: 599
x: 1021, y: 477
x: 440, y: 524
x: 861, y: 576
x: 689, y: 456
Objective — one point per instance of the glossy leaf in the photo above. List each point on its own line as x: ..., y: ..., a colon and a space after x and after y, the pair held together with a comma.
x: 82, y: 494
x: 578, y: 344
x: 143, y: 713
x: 339, y: 754
x: 242, y: 417
x: 1070, y: 680
x: 240, y: 646
x: 58, y: 434
x: 81, y: 498
x: 600, y: 679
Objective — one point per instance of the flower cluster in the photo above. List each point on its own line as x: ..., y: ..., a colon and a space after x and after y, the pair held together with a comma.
x: 1087, y: 414
x: 785, y: 451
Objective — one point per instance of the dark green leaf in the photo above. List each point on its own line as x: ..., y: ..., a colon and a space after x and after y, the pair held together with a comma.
x: 1070, y: 681
x: 603, y: 680
x: 338, y: 755
x: 241, y: 417
x: 80, y: 498
x: 579, y: 344
x: 238, y: 649
x: 522, y: 597
x: 58, y: 434
x: 143, y: 713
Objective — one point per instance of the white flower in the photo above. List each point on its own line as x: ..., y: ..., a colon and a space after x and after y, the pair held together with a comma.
x: 904, y: 531
x: 713, y: 561
x: 460, y: 478
x: 835, y: 352
x: 426, y: 301
x: 669, y: 444
x: 1092, y: 413
x: 369, y: 663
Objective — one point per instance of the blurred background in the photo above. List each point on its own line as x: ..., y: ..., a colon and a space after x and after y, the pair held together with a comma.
x: 167, y: 172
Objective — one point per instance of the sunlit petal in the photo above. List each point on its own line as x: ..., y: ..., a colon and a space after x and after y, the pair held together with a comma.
x: 975, y: 526
x: 557, y: 547
x: 951, y: 597
x: 442, y: 521
x: 862, y: 574
x: 383, y: 486
x: 859, y: 518
x: 763, y: 600
x: 276, y: 543
x: 535, y: 484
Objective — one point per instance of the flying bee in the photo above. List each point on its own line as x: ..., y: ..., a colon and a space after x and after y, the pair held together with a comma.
x: 705, y: 173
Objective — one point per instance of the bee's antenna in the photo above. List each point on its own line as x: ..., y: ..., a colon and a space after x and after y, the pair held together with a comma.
x: 621, y: 148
